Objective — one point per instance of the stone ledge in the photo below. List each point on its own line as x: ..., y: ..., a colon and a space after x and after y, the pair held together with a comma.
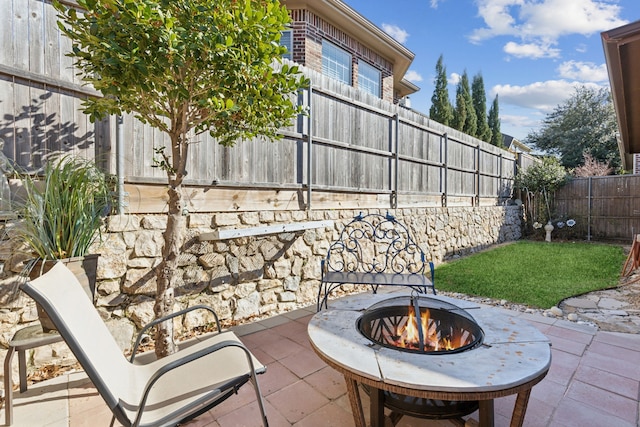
x: 234, y: 233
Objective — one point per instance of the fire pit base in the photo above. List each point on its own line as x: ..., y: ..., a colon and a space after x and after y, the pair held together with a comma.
x: 419, y: 407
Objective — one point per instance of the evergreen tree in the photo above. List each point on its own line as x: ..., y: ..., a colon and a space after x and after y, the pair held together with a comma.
x: 494, y: 124
x: 480, y: 106
x: 460, y: 111
x: 441, y: 110
x: 464, y: 116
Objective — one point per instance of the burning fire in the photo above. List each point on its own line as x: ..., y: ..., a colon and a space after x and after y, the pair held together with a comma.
x: 421, y: 326
x: 408, y: 335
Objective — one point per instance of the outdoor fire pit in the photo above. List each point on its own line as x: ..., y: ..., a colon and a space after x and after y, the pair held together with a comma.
x: 426, y: 326
x: 429, y: 357
x: 420, y: 324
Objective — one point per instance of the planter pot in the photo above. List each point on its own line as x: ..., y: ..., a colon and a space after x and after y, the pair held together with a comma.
x: 84, y: 268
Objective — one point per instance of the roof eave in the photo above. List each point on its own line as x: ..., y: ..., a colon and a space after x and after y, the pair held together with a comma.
x: 405, y: 88
x: 622, y: 78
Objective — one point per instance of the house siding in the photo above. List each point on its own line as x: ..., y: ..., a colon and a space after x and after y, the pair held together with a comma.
x: 310, y: 29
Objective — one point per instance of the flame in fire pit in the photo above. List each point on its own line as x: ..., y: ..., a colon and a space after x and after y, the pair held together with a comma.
x: 440, y: 327
x: 409, y: 334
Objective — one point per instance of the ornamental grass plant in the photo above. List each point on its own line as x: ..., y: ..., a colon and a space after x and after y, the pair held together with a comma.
x: 537, y: 274
x: 61, y: 212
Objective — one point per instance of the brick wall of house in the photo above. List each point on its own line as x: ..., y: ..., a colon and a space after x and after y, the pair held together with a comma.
x: 308, y: 32
x: 388, y: 93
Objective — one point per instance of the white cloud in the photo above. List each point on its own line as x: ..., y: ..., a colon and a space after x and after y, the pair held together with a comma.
x: 543, y: 22
x: 454, y: 78
x: 541, y: 96
x: 434, y: 3
x: 413, y: 76
x: 496, y: 15
x: 547, y: 19
x: 396, y: 32
x: 530, y: 50
x: 518, y: 121
x: 523, y: 108
x: 520, y: 126
x: 583, y: 71
x: 555, y: 18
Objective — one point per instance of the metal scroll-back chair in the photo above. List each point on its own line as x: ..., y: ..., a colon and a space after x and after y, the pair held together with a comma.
x: 163, y: 392
x: 375, y: 250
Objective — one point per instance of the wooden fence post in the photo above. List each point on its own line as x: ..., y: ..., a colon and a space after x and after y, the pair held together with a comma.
x: 309, y: 147
x: 445, y: 170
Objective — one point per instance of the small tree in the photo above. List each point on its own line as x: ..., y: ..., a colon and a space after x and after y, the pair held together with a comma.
x: 184, y: 67
x: 592, y: 167
x: 538, y: 182
x: 441, y: 110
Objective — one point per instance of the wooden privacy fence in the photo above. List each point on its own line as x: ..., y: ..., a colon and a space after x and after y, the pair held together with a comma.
x: 606, y: 207
x: 363, y: 144
x: 351, y: 149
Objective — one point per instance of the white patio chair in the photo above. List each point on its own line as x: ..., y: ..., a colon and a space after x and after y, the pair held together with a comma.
x: 163, y: 392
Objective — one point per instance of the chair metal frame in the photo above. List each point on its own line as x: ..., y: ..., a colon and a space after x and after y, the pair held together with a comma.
x: 163, y: 400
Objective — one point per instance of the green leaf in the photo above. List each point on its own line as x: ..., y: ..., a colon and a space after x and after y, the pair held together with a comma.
x: 162, y: 60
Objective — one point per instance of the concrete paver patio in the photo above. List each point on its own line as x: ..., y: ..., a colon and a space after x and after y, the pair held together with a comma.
x: 594, y: 380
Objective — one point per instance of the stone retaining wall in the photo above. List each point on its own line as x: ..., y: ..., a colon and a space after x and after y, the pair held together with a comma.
x: 247, y: 277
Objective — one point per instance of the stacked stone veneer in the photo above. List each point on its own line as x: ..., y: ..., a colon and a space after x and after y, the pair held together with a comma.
x: 251, y: 276
x: 264, y: 274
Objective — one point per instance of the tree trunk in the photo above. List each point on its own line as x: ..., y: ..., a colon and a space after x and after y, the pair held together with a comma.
x: 173, y: 241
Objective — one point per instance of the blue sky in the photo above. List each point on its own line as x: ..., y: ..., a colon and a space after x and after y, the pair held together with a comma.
x: 531, y: 53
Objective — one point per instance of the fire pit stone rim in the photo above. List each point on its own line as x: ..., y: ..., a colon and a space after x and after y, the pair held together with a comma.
x: 508, y: 342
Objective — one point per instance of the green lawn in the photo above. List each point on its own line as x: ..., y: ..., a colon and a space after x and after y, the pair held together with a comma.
x: 538, y: 274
